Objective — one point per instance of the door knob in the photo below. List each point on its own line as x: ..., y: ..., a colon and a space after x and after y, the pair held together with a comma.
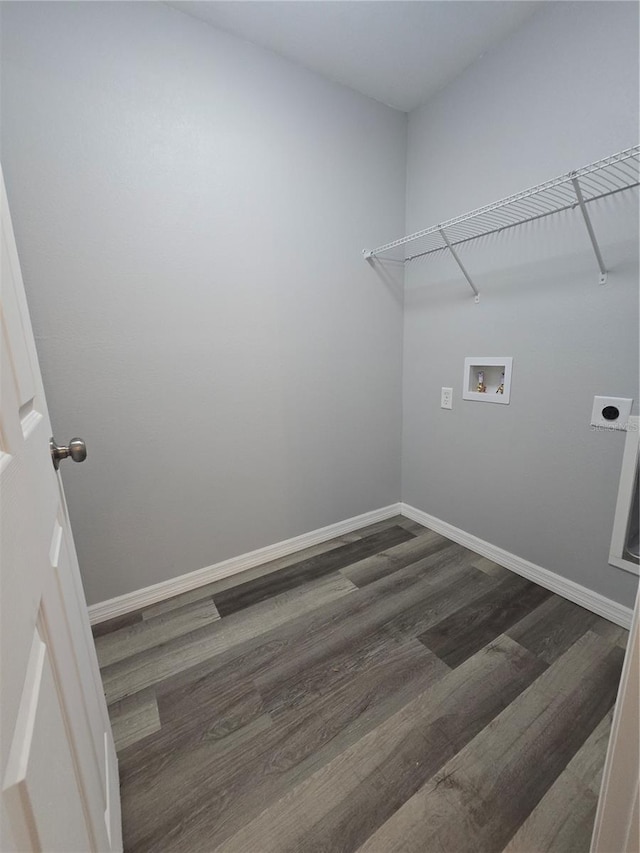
x: 76, y: 449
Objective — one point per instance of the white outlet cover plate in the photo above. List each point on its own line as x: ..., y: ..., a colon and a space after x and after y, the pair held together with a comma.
x: 622, y: 404
x: 446, y: 398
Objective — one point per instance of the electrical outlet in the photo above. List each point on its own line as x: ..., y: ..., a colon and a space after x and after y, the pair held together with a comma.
x: 446, y: 398
x: 611, y: 412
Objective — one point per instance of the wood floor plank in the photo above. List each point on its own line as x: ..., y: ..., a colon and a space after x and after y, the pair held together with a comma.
x: 206, y: 707
x: 614, y: 633
x: 379, y: 565
x: 394, y: 608
x: 324, y: 638
x: 314, y: 623
x: 147, y: 633
x: 588, y: 763
x: 210, y: 724
x: 147, y: 668
x: 422, y: 613
x: 177, y: 602
x: 288, y: 687
x: 393, y: 521
x: 134, y: 718
x: 252, y: 592
x: 315, y: 721
x: 377, y: 526
x: 210, y: 589
x: 400, y: 615
x: 471, y: 627
x: 247, y: 778
x: 562, y: 822
x: 485, y: 793
x: 553, y: 627
x: 108, y: 625
x: 412, y: 526
x: 491, y: 568
x: 338, y: 807
x: 246, y: 734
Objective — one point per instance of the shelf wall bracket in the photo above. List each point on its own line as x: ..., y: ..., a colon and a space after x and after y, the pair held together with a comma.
x: 460, y: 264
x: 590, y: 231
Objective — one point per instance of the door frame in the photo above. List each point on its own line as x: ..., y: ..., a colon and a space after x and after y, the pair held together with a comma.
x: 617, y: 823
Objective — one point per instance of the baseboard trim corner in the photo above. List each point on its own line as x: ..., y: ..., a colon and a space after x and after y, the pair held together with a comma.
x: 149, y: 595
x: 582, y: 595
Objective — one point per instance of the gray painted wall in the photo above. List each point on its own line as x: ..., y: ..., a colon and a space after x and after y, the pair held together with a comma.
x: 530, y: 477
x: 190, y: 211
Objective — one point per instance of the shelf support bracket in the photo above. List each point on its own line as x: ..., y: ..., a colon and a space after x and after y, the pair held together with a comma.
x: 590, y: 231
x: 459, y: 262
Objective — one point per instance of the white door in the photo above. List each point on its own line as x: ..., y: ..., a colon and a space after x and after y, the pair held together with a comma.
x: 59, y: 768
x: 617, y: 823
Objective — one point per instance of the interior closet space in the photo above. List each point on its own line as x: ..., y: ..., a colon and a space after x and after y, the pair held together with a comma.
x: 309, y: 391
x: 267, y: 261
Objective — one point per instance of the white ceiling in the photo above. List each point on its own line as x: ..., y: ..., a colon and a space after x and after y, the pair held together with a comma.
x: 397, y: 51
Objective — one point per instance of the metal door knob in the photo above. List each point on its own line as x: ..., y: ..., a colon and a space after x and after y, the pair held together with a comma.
x: 76, y: 449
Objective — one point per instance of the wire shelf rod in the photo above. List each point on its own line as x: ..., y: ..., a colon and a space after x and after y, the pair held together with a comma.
x: 460, y: 264
x: 540, y: 205
x: 571, y: 206
x: 618, y: 171
x: 598, y: 181
x: 562, y: 194
x: 590, y: 231
x: 619, y: 167
x: 498, y: 230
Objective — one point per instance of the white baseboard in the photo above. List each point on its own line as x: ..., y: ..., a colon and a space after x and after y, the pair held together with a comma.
x: 183, y: 583
x: 571, y: 590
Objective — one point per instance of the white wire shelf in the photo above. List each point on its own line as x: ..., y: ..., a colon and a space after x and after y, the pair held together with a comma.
x: 577, y: 189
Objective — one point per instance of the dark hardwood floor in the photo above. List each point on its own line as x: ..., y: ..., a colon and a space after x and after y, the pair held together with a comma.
x: 385, y: 691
